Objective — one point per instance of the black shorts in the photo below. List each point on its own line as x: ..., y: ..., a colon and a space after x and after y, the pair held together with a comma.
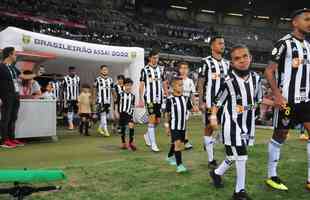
x: 154, y: 109
x: 292, y: 116
x: 125, y: 119
x: 233, y: 152
x: 208, y: 114
x: 85, y: 115
x: 72, y: 106
x: 177, y: 135
x: 103, y: 108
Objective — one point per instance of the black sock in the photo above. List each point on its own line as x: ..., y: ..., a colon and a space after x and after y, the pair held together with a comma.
x: 131, y: 134
x: 171, y: 151
x: 81, y: 127
x: 123, y: 134
x: 86, y: 127
x: 178, y: 157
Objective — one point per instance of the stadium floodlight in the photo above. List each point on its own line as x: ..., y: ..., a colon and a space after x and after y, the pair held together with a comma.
x: 208, y: 11
x: 262, y: 17
x: 285, y: 19
x: 178, y: 7
x: 235, y: 14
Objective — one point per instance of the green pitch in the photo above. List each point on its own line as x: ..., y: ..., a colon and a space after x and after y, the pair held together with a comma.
x: 97, y: 169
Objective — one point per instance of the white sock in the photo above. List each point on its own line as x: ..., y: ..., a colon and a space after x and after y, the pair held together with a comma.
x: 70, y: 117
x: 308, y: 150
x: 274, y: 149
x: 103, y: 120
x: 151, y: 134
x: 241, y: 171
x: 208, y: 142
x: 224, y: 166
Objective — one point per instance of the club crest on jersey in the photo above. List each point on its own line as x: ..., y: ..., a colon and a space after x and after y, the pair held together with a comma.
x: 239, y: 109
x: 215, y: 76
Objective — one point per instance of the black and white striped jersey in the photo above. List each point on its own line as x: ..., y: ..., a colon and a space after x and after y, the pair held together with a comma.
x: 239, y: 98
x: 126, y: 103
x: 104, y: 87
x: 293, y: 74
x: 118, y: 90
x: 71, y: 87
x: 178, y: 107
x: 153, y: 78
x: 56, y: 89
x: 214, y: 72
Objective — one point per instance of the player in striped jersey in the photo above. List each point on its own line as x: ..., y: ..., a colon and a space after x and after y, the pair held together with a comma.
x: 212, y: 75
x: 176, y: 111
x: 288, y: 74
x: 151, y: 92
x: 103, y: 87
x: 239, y: 95
x: 71, y: 92
x: 189, y: 90
x: 126, y: 108
x: 117, y: 90
x: 56, y: 84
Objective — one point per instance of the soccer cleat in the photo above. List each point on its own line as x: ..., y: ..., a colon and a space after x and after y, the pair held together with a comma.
x: 132, y: 147
x: 308, y: 185
x: 124, y: 146
x: 171, y: 161
x: 155, y: 148
x: 181, y: 169
x: 188, y: 146
x: 147, y: 140
x: 18, y: 143
x: 217, y: 179
x: 241, y: 195
x: 8, y: 144
x: 106, y: 133
x: 303, y: 137
x: 212, y: 164
x: 276, y: 183
x: 100, y: 131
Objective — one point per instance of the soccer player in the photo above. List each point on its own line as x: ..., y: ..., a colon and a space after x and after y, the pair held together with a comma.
x: 84, y: 103
x: 103, y: 87
x: 188, y: 92
x: 126, y: 108
x: 56, y: 85
x: 239, y: 95
x: 288, y: 75
x: 212, y: 75
x: 176, y: 111
x: 151, y: 92
x: 71, y: 91
x: 118, y: 89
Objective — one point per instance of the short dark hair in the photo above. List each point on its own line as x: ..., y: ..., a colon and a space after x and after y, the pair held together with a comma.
x: 120, y: 77
x: 213, y: 38
x: 71, y: 68
x: 238, y: 46
x: 7, y: 51
x: 128, y: 81
x: 103, y: 66
x: 182, y: 63
x: 153, y: 52
x: 85, y: 85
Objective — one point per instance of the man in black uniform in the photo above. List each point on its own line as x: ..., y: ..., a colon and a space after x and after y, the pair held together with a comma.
x: 9, y: 98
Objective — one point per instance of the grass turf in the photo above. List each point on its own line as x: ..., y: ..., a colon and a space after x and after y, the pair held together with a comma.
x: 98, y: 169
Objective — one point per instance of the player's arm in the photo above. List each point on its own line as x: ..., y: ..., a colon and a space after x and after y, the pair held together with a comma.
x: 94, y: 92
x: 278, y: 54
x: 141, y: 87
x: 218, y: 102
x: 168, y: 117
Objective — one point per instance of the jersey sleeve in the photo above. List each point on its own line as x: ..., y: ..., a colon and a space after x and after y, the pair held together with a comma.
x: 278, y: 52
x: 95, y: 83
x: 203, y: 69
x: 142, y: 75
x: 221, y: 97
x: 133, y: 100
x: 259, y: 91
